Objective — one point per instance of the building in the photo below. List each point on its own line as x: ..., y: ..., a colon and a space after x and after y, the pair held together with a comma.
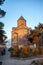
x: 19, y: 33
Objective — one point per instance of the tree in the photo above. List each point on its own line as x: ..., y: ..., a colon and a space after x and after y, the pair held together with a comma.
x: 30, y: 36
x: 36, y: 35
x: 1, y: 25
x: 39, y: 30
x: 1, y: 2
x: 2, y: 33
x: 2, y: 12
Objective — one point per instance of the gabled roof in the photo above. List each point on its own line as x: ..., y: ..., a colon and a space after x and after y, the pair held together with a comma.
x: 21, y: 18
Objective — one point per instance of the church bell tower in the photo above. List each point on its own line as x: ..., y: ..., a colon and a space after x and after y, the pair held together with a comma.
x: 21, y: 21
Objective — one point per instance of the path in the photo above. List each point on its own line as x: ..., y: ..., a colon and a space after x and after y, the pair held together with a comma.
x: 7, y: 60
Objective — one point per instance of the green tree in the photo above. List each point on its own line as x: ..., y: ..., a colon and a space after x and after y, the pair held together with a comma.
x: 39, y: 28
x: 1, y: 2
x: 2, y: 33
x: 36, y: 35
x: 2, y: 12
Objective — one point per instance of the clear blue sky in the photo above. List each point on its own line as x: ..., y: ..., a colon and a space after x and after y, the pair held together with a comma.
x: 31, y: 10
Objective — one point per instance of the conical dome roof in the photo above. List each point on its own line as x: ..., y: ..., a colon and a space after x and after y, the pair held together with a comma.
x: 21, y: 18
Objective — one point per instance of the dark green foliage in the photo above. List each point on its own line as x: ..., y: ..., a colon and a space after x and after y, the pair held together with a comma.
x: 2, y: 33
x: 1, y: 2
x: 1, y: 28
x: 1, y: 25
x: 36, y: 34
x: 2, y: 13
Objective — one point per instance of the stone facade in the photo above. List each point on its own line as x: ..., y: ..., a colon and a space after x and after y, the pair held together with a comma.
x: 19, y: 33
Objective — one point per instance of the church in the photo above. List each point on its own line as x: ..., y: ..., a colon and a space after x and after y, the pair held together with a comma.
x: 19, y: 33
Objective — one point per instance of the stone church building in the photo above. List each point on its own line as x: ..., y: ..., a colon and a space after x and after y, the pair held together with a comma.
x: 19, y: 33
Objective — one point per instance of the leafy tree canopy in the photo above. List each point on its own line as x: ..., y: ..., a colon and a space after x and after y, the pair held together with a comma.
x: 1, y: 25
x: 1, y: 2
x: 2, y: 33
x: 36, y: 34
x: 2, y: 13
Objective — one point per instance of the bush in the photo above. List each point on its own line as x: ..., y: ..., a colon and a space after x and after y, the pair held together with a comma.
x: 21, y: 52
x: 16, y: 51
x: 36, y: 52
x: 25, y: 51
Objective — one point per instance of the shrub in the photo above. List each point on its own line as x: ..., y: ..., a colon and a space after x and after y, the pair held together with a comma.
x: 16, y: 51
x: 25, y: 51
x: 36, y: 51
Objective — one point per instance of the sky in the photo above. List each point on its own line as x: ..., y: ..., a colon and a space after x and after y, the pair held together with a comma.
x: 31, y: 10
